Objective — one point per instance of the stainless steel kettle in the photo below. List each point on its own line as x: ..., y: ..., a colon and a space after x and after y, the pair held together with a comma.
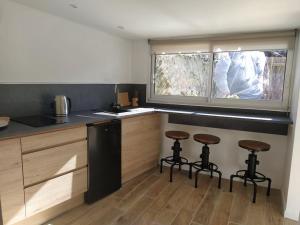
x: 62, y: 105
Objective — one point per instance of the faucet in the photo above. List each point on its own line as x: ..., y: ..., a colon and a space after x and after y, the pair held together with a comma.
x: 116, y: 94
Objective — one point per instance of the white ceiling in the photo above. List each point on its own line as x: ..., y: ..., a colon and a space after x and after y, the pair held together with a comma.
x: 169, y: 18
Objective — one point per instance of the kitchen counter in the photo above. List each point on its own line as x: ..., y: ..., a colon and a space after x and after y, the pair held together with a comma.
x: 259, y: 123
x: 15, y: 129
x: 239, y: 121
x: 226, y: 115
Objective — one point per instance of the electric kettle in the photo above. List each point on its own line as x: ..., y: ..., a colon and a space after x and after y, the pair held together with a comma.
x: 62, y: 105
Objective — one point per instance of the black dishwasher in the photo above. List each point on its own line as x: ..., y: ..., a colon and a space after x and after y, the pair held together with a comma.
x: 104, y: 156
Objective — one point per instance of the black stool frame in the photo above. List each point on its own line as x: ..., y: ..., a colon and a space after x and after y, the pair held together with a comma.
x: 205, y: 165
x: 251, y: 175
x: 174, y: 160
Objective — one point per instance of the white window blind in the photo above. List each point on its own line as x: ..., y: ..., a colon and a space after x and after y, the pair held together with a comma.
x: 234, y: 42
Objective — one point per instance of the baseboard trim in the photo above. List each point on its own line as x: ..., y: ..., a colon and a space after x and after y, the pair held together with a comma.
x: 283, y: 201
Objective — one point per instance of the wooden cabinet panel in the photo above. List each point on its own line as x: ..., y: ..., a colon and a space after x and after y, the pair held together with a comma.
x: 42, y: 165
x: 51, y: 139
x: 141, y: 140
x: 55, y: 191
x: 45, y: 216
x: 11, y: 182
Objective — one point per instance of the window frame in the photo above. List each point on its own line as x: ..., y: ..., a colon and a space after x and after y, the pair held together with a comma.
x: 210, y: 101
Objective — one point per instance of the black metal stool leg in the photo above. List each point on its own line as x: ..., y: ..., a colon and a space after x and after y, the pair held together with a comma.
x: 171, y: 172
x: 269, y: 186
x: 220, y: 178
x: 161, y: 165
x: 254, y: 191
x: 190, y: 171
x: 245, y: 181
x: 211, y: 173
x: 179, y: 168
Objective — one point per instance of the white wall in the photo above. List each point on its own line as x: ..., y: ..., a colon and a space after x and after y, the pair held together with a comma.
x: 291, y: 186
x: 39, y: 47
x: 141, y: 62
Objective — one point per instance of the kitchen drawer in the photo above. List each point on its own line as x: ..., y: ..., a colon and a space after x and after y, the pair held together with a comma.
x: 55, y: 191
x: 42, y: 165
x: 51, y: 139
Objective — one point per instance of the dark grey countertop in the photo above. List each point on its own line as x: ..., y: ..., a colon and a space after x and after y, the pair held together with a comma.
x: 86, y: 117
x: 19, y: 130
x: 237, y: 116
x: 15, y: 129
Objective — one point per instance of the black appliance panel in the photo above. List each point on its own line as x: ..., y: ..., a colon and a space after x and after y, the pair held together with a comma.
x: 104, y: 155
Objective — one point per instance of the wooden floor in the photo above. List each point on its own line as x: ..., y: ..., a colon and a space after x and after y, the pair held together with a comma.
x: 151, y: 200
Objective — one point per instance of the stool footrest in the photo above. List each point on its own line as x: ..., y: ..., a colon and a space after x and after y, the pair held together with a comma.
x: 258, y: 177
x: 174, y: 160
x: 199, y: 166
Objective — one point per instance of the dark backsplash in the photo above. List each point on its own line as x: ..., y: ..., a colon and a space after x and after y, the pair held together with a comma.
x: 33, y: 99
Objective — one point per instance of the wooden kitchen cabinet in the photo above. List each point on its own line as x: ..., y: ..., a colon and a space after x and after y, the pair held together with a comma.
x: 40, y: 173
x: 54, y: 168
x: 11, y: 182
x: 141, y: 141
x: 55, y: 191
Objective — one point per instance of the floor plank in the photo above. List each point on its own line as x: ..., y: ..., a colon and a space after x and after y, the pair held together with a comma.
x: 132, y: 184
x: 238, y: 214
x: 222, y: 210
x: 257, y: 211
x: 273, y: 209
x: 192, y: 202
x: 141, y: 189
x: 134, y: 212
x: 147, y: 217
x: 205, y: 212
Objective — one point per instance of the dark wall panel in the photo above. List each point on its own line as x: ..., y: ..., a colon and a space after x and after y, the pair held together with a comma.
x: 32, y: 99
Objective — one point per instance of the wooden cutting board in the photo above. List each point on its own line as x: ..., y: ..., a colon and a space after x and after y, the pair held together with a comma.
x: 123, y: 99
x: 4, y: 121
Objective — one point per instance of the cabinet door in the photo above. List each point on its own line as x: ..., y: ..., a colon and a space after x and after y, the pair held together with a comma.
x: 55, y: 191
x: 52, y: 139
x: 11, y: 182
x: 43, y: 165
x: 141, y: 140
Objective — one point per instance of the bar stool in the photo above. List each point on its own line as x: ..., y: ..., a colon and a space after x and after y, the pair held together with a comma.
x: 205, y: 164
x: 175, y: 159
x: 250, y: 174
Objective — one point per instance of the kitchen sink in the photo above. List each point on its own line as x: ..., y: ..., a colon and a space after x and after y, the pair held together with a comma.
x: 125, y: 112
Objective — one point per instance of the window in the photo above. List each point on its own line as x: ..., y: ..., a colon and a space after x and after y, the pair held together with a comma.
x: 247, y: 72
x: 182, y: 74
x: 256, y: 75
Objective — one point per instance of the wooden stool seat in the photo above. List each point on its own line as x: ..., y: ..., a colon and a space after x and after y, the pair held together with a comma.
x: 256, y: 146
x: 206, y: 139
x: 177, y: 135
